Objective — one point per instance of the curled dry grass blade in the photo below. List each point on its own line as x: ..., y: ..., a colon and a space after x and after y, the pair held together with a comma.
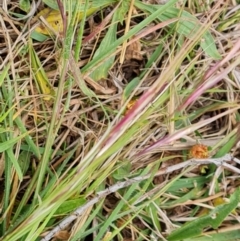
x: 123, y: 167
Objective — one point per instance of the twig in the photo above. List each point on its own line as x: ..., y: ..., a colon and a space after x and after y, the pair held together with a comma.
x: 222, y: 161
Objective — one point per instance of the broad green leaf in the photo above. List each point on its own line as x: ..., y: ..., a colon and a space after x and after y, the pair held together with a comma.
x: 69, y: 206
x: 123, y: 171
x: 25, y: 5
x: 38, y: 36
x: 213, y: 219
x: 209, y: 47
x: 130, y: 87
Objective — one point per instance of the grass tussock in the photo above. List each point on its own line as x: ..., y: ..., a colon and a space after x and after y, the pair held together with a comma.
x: 119, y: 120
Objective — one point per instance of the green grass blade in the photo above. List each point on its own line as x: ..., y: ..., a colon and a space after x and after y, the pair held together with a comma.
x: 110, y: 49
x: 116, y: 210
x: 109, y: 38
x: 31, y: 145
x: 188, y: 26
x: 213, y: 219
x: 4, y: 73
x: 95, y: 4
x: 135, y: 82
x: 85, y: 229
x: 233, y: 235
x: 5, y: 145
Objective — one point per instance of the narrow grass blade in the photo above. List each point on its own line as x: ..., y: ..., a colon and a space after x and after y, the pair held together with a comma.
x: 185, y: 131
x: 31, y: 145
x: 135, y: 82
x: 188, y: 26
x: 95, y: 4
x: 220, y: 235
x: 40, y: 75
x: 109, y: 38
x: 4, y: 73
x: 213, y: 219
x: 109, y: 50
x: 9, y: 143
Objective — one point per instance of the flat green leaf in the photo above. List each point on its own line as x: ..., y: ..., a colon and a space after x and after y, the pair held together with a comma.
x: 39, y: 36
x: 25, y: 5
x: 209, y: 47
x: 69, y: 206
x: 123, y: 171
x: 213, y: 219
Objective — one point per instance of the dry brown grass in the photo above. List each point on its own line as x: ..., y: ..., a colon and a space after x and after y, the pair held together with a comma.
x: 91, y: 129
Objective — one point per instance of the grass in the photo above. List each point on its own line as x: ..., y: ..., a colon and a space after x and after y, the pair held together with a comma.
x: 121, y: 126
